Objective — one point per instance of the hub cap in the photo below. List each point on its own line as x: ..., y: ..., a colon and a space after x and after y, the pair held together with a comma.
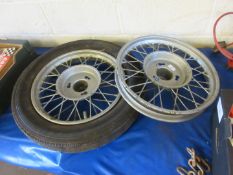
x: 167, y: 69
x: 78, y: 82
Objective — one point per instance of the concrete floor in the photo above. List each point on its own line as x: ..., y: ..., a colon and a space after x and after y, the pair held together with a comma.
x: 6, y: 169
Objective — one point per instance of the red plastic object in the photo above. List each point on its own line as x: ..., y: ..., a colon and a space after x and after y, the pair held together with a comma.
x: 230, y: 63
x: 231, y: 112
x: 225, y: 52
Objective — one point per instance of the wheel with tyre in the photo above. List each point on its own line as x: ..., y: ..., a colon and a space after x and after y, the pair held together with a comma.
x: 67, y: 99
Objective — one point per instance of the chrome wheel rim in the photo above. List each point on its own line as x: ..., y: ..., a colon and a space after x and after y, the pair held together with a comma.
x: 76, y: 87
x: 174, y: 72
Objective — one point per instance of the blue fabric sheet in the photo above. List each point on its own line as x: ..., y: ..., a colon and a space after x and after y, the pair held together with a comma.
x: 149, y: 147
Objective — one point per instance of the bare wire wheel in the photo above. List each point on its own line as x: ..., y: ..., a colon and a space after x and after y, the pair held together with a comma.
x: 177, y: 82
x: 76, y: 87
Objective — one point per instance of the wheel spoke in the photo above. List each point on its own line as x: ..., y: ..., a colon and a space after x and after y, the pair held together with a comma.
x: 96, y: 60
x: 160, y: 97
x: 201, y: 73
x: 133, y: 75
x: 45, y: 82
x: 58, y: 73
x: 65, y: 65
x: 201, y: 85
x: 191, y: 85
x: 175, y: 100
x: 90, y: 113
x: 47, y: 89
x: 141, y: 53
x: 170, y: 48
x: 90, y: 102
x: 43, y: 89
x: 72, y: 111
x: 108, y: 82
x: 54, y: 108
x: 196, y: 104
x: 108, y: 94
x: 76, y: 109
x: 60, y: 111
x: 51, y: 99
x: 139, y: 84
x: 106, y: 70
x: 156, y: 95
x: 67, y: 108
x: 104, y: 97
x: 133, y: 66
x: 136, y: 60
x: 95, y: 106
x: 101, y: 62
x: 146, y: 90
x: 100, y: 100
x: 143, y: 87
x: 197, y: 95
x: 178, y: 98
x: 44, y: 97
x: 131, y: 70
x: 110, y: 74
x: 52, y: 75
x: 68, y: 63
x: 108, y: 85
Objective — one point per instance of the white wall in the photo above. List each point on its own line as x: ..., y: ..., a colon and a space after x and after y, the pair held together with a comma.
x: 51, y: 22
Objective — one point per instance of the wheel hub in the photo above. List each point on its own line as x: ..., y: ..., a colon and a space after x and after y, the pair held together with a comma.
x: 78, y: 82
x: 167, y: 70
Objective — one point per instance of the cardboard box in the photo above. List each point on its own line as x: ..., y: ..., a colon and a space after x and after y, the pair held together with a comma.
x: 15, y: 55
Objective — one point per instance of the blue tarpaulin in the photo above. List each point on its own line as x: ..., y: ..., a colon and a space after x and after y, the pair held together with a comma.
x: 149, y: 147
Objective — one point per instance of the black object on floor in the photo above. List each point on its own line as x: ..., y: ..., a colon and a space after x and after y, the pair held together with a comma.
x: 222, y: 135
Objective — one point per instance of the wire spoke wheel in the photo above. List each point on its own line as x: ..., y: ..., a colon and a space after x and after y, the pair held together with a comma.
x: 67, y: 99
x: 177, y: 81
x: 76, y: 87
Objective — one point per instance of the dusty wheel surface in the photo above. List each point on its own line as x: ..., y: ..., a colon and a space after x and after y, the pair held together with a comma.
x: 67, y: 99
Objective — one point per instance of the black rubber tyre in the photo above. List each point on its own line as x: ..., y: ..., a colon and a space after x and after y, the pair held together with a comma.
x: 71, y: 138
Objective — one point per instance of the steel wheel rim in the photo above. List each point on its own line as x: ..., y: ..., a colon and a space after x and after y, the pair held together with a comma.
x: 88, y: 75
x: 126, y: 57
